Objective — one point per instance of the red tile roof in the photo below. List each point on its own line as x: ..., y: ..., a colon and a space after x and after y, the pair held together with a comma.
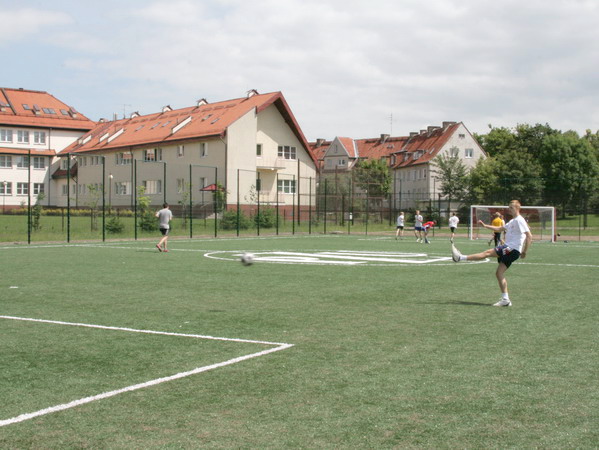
x: 21, y: 107
x: 180, y: 125
x: 429, y: 141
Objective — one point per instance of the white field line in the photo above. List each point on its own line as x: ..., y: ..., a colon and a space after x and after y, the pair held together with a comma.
x: 104, y: 395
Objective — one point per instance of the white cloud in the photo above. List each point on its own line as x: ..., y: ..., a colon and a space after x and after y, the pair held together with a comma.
x: 19, y: 23
x: 345, y: 66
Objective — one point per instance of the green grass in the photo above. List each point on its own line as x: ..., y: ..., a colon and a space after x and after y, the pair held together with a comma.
x: 383, y: 356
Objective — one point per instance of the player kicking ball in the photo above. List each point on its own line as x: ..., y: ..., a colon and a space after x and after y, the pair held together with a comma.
x: 517, y: 241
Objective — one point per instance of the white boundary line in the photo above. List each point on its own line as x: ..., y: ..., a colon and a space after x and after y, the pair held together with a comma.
x: 104, y: 395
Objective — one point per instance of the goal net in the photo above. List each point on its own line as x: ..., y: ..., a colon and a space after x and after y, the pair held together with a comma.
x: 540, y: 219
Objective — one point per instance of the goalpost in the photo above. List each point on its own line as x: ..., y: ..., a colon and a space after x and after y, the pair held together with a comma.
x: 540, y: 219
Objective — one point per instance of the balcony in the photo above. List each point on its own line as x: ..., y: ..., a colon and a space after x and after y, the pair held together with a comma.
x: 269, y: 164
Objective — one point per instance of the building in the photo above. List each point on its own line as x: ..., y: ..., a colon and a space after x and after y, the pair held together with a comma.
x: 34, y: 127
x: 251, y: 147
x: 409, y: 158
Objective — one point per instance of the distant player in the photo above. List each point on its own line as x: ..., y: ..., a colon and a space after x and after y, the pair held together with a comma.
x: 418, y: 226
x: 497, y: 222
x: 426, y: 228
x: 164, y: 216
x: 453, y: 225
x: 400, y: 225
x: 517, y: 241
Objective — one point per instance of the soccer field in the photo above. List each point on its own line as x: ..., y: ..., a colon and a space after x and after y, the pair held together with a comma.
x: 324, y: 342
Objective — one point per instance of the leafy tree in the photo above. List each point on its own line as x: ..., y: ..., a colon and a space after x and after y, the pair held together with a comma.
x: 452, y: 173
x: 184, y: 204
x: 373, y: 177
x: 36, y: 212
x: 483, y: 182
x: 519, y: 177
x: 147, y: 221
x: 531, y: 139
x: 95, y: 194
x: 497, y: 140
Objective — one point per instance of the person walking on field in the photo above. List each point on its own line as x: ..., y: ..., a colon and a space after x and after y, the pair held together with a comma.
x: 453, y: 224
x: 517, y: 241
x: 400, y: 225
x: 418, y: 226
x: 164, y: 216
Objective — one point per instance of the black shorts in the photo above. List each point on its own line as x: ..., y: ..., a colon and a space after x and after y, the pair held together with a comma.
x: 400, y: 227
x: 506, y: 255
x: 164, y: 231
x: 452, y: 229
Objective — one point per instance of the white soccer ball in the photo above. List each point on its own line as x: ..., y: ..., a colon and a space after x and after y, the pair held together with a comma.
x: 247, y: 259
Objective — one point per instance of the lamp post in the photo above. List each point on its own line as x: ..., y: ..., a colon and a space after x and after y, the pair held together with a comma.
x: 110, y: 192
x: 4, y: 183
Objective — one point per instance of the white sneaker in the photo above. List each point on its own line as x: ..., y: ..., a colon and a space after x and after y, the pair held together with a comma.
x: 455, y: 254
x: 503, y: 302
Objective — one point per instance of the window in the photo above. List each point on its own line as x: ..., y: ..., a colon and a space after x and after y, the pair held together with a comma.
x: 65, y: 190
x: 329, y: 162
x: 123, y: 188
x: 23, y: 136
x: 5, y: 135
x: 468, y: 153
x: 64, y: 163
x: 22, y: 161
x: 6, y: 161
x: 81, y: 189
x: 26, y: 107
x: 286, y: 186
x: 22, y: 189
x: 287, y: 152
x: 258, y: 149
x: 5, y: 188
x: 180, y: 185
x: 454, y: 152
x: 154, y: 154
x: 38, y: 188
x: 203, y: 149
x: 39, y: 162
x: 180, y: 151
x: 462, y: 136
x: 202, y: 183
x: 153, y: 186
x: 123, y: 159
x: 341, y: 162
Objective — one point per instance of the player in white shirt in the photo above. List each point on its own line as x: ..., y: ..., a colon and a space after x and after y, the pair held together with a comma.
x: 400, y: 225
x: 418, y: 226
x: 453, y: 224
x: 517, y: 241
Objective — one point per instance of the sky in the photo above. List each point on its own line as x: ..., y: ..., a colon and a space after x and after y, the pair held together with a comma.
x: 353, y: 68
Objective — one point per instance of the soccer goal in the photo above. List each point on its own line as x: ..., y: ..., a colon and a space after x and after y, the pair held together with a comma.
x: 540, y: 219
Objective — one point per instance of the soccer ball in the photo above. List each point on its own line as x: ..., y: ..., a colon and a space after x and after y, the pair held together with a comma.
x: 247, y: 259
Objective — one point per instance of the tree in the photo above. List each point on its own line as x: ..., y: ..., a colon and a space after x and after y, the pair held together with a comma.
x: 482, y: 183
x: 497, y: 141
x: 95, y: 194
x: 36, y: 212
x: 452, y: 173
x: 373, y: 177
x: 519, y: 177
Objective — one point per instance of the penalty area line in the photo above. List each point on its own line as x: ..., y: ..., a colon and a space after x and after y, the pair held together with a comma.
x: 146, y: 384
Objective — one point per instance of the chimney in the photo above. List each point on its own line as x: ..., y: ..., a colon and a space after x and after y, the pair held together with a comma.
x: 101, y: 120
x: 251, y: 93
x: 166, y: 108
x: 448, y: 124
x: 202, y: 102
x: 384, y: 138
x: 413, y: 133
x: 432, y: 128
x: 115, y: 117
x: 320, y: 142
x: 134, y: 114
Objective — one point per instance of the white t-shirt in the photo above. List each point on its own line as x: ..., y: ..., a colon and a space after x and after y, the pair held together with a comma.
x: 515, y: 231
x: 400, y: 220
x: 164, y: 216
x: 418, y: 220
x: 453, y: 221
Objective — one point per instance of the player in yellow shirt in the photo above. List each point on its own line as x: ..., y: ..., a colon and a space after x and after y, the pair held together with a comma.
x: 497, y: 222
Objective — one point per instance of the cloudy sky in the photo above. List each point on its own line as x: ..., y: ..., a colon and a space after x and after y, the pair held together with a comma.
x: 355, y: 68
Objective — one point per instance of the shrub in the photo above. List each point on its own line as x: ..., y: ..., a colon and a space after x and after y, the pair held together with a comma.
x: 267, y: 218
x: 229, y: 221
x: 115, y: 225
